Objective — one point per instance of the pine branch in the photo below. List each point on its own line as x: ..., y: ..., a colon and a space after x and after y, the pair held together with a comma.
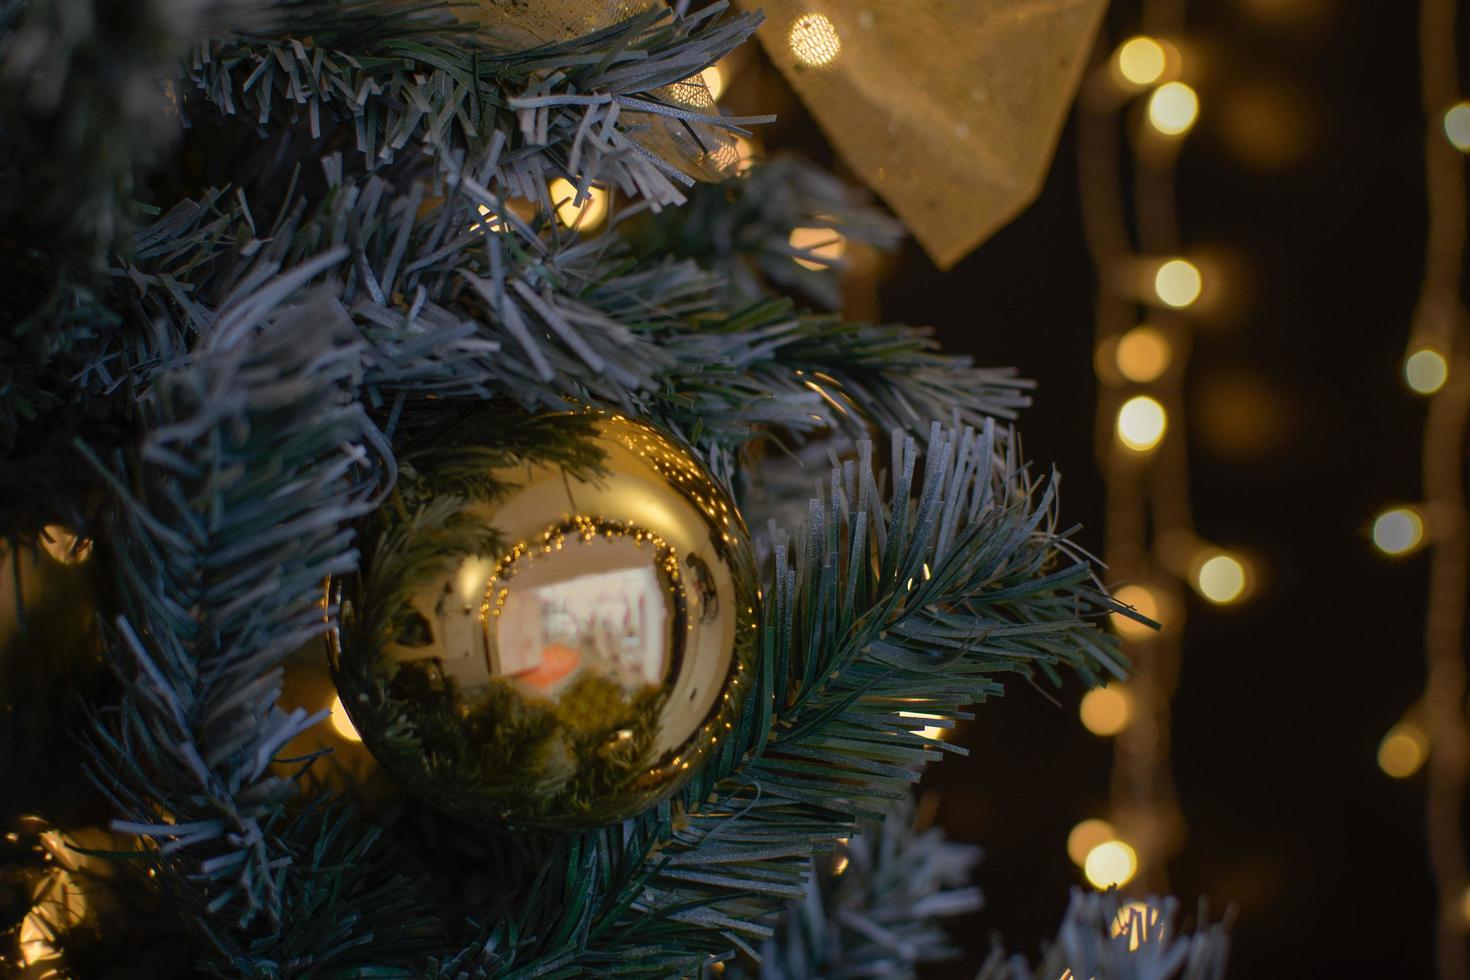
x: 1102, y: 938
x: 742, y: 229
x: 231, y: 513
x: 873, y: 909
x: 410, y: 75
x: 856, y: 633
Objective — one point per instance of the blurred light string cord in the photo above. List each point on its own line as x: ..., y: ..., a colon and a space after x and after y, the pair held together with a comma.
x: 1440, y: 326
x: 1147, y: 289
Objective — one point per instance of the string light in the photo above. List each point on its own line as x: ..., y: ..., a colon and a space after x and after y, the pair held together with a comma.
x: 1142, y: 354
x: 1426, y: 370
x: 1403, y: 750
x: 341, y: 723
x: 824, y: 247
x: 714, y: 80
x: 1141, y: 60
x: 814, y: 41
x: 1110, y: 864
x: 1457, y: 126
x: 1140, y: 922
x: 1145, y: 602
x: 585, y: 216
x: 1398, y: 531
x: 1221, y: 579
x: 1178, y: 283
x: 1141, y: 423
x: 1105, y: 711
x: 1173, y: 108
x: 1145, y: 510
x: 928, y: 731
x: 62, y: 545
x: 1087, y: 835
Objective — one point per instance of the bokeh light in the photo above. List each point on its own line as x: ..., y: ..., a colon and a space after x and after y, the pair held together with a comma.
x: 61, y: 544
x: 1403, y: 750
x: 714, y: 80
x: 1140, y: 922
x: 1145, y: 602
x: 1457, y: 126
x: 1142, y: 60
x: 1178, y: 283
x: 343, y: 724
x: 1141, y: 423
x: 1398, y: 531
x: 928, y: 731
x: 1173, y: 108
x: 1426, y: 370
x: 1222, y: 579
x: 1110, y: 864
x: 1105, y: 711
x: 1143, y: 354
x: 824, y: 246
x: 1087, y: 835
x: 814, y: 40
x: 584, y: 217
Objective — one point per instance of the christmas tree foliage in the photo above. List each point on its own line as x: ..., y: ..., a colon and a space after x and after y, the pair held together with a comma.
x: 257, y: 256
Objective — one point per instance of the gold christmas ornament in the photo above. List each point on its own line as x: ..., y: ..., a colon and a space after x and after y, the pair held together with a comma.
x: 550, y: 644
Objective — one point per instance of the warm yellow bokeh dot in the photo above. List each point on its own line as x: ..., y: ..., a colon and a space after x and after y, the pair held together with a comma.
x: 1457, y: 126
x: 1403, y: 750
x: 1173, y: 108
x: 714, y: 80
x: 343, y: 724
x: 814, y: 40
x: 1105, y: 710
x: 1142, y: 60
x: 1140, y: 922
x: 928, y: 731
x: 584, y: 217
x: 1221, y: 579
x: 1178, y: 283
x: 1111, y: 863
x: 1398, y: 531
x: 822, y: 243
x: 1142, y: 354
x: 1145, y: 602
x: 1141, y: 423
x: 1465, y: 906
x: 1087, y: 835
x: 1426, y: 370
x: 61, y: 544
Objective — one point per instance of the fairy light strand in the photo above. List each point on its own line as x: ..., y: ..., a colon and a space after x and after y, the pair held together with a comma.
x: 1437, y: 366
x: 1143, y: 346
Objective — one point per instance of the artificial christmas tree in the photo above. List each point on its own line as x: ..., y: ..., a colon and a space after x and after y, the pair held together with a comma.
x: 378, y: 319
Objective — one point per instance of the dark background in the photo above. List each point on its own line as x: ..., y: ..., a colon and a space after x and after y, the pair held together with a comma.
x: 1305, y: 175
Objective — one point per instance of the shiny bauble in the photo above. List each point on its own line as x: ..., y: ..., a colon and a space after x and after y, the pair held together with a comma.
x: 555, y: 645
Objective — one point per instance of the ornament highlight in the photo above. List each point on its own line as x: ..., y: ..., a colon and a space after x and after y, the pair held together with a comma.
x: 552, y: 644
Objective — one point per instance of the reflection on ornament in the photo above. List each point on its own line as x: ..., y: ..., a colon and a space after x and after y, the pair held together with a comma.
x: 341, y: 723
x: 578, y: 656
x: 58, y: 905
